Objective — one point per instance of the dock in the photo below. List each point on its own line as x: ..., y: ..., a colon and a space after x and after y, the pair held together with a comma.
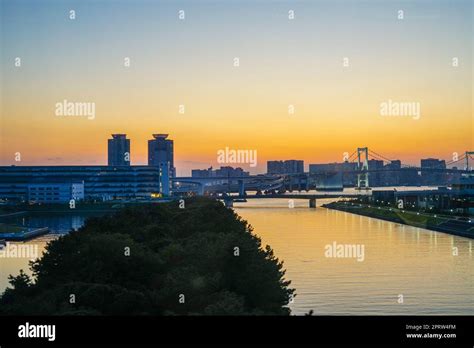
x: 26, y: 234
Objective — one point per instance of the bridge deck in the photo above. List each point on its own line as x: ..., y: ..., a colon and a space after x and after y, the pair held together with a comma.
x: 294, y: 196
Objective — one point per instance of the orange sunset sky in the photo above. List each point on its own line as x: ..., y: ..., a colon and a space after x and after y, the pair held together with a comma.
x: 190, y: 62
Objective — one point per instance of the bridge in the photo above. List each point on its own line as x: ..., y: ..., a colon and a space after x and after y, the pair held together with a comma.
x: 229, y: 199
x: 358, y: 166
x: 229, y: 184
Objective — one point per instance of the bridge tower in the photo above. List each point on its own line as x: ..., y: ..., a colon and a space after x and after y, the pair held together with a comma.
x: 241, y: 188
x: 363, y: 178
x: 468, y: 153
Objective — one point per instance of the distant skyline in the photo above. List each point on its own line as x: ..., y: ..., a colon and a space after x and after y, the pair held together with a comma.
x: 283, y: 62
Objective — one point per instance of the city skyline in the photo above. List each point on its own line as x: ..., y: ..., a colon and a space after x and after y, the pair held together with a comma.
x: 161, y: 152
x: 296, y: 98
x: 234, y: 159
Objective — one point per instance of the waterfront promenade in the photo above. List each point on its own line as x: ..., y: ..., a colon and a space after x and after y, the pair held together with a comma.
x: 458, y: 226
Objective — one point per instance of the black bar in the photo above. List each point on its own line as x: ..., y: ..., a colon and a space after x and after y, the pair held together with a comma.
x: 258, y: 330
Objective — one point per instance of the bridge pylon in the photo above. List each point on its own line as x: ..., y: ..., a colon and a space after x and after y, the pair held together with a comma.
x: 467, y: 154
x: 363, y: 165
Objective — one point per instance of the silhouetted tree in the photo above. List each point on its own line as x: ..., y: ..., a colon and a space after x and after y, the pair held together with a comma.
x: 155, y: 259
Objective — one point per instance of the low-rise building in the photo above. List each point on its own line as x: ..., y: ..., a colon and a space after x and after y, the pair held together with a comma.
x: 285, y: 167
x: 23, y: 183
x: 55, y: 192
x: 459, y: 198
x: 221, y: 172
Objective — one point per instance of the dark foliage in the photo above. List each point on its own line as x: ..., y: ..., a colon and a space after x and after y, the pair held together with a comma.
x: 172, y: 251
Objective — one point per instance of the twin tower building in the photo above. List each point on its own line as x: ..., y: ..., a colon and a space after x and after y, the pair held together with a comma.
x: 160, y: 155
x: 160, y: 152
x: 118, y: 180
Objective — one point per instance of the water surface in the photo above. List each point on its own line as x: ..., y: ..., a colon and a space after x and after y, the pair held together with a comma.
x: 398, y: 260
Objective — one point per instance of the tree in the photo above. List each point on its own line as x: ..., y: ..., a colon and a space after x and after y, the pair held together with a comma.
x: 155, y: 259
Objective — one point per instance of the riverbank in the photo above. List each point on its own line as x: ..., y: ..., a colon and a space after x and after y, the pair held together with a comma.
x: 299, y: 237
x: 422, y: 220
x: 19, y: 233
x: 79, y: 207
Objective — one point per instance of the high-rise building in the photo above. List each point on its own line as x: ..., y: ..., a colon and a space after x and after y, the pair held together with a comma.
x: 119, y: 150
x: 160, y: 151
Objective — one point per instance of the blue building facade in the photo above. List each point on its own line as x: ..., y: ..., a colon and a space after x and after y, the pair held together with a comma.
x: 161, y: 153
x: 17, y: 183
x: 118, y: 150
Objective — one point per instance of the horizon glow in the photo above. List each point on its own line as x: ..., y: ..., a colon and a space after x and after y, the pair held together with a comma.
x: 189, y: 62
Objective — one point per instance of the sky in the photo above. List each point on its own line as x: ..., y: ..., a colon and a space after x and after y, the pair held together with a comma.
x: 333, y: 64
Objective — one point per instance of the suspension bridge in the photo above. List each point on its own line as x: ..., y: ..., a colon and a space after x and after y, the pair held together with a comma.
x: 360, y: 164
